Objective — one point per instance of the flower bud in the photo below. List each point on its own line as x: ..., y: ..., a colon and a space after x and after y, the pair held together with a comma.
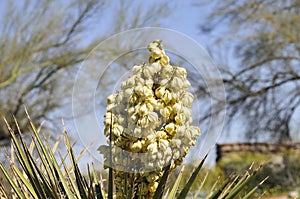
x: 136, y: 147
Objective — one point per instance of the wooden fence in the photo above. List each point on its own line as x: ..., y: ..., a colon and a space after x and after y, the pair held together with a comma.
x: 256, y: 147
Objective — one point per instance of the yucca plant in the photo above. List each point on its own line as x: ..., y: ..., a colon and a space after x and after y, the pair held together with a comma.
x: 47, y: 177
x: 152, y: 116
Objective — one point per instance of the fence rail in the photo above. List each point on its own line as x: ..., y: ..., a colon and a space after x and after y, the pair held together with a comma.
x: 258, y: 147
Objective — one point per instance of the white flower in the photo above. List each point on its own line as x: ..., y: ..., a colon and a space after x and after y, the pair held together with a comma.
x: 118, y: 97
x: 176, y: 154
x: 110, y: 107
x: 143, y: 122
x: 138, y: 89
x: 143, y: 91
x: 152, y: 117
x: 151, y: 101
x: 150, y: 137
x: 138, y: 80
x: 132, y: 99
x: 186, y: 84
x: 128, y: 92
x: 159, y: 155
x: 131, y: 110
x: 137, y: 69
x: 143, y: 110
x: 193, y: 142
x: 130, y: 82
x: 168, y: 152
x: 177, y: 82
x: 180, y: 118
x: 161, y: 135
x: 164, y: 60
x: 187, y: 99
x: 148, y: 72
x: 137, y: 131
x: 147, y: 92
x: 170, y: 128
x: 123, y: 85
x: 136, y: 147
x: 153, y: 147
x: 164, y: 82
x: 177, y: 107
x: 163, y: 144
x: 159, y: 92
x: 156, y: 67
x: 117, y: 130
x: 156, y: 53
x: 154, y: 45
x: 149, y: 83
x: 111, y: 99
x: 167, y: 71
x: 176, y: 142
x: 187, y: 112
x: 167, y: 97
x: 181, y: 72
x: 165, y: 112
x: 181, y: 130
x: 120, y: 119
x: 134, y: 117
x: 192, y: 131
x: 108, y: 119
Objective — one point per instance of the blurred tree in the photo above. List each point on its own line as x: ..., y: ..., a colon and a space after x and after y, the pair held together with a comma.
x: 42, y: 44
x: 263, y: 81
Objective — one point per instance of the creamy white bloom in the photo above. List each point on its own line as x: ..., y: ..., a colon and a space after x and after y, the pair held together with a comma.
x: 153, y: 148
x: 128, y: 92
x: 180, y: 118
x: 136, y: 146
x: 150, y: 115
x: 111, y: 107
x: 149, y: 83
x: 156, y: 67
x: 176, y: 143
x: 177, y: 82
x: 187, y: 98
x: 117, y: 129
x: 137, y: 69
x: 177, y: 107
x: 159, y: 92
x: 143, y: 110
x: 181, y: 72
x: 111, y: 99
x: 163, y: 144
x: 166, y: 112
x: 170, y: 128
x: 167, y: 97
x: 137, y: 131
x: 193, y: 131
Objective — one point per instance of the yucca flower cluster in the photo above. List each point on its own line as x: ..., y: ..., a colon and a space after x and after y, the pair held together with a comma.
x: 148, y: 124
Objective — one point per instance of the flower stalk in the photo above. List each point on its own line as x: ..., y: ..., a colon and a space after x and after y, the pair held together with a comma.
x: 148, y: 124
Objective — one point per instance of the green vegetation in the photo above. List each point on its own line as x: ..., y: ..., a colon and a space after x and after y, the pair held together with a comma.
x: 283, y: 169
x: 49, y: 177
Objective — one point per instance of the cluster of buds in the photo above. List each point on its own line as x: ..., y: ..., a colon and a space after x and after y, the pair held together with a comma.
x: 148, y: 124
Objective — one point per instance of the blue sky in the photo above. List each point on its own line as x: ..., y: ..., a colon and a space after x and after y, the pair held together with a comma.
x: 185, y: 18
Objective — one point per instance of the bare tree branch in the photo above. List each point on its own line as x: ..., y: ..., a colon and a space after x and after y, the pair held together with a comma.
x: 264, y: 87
